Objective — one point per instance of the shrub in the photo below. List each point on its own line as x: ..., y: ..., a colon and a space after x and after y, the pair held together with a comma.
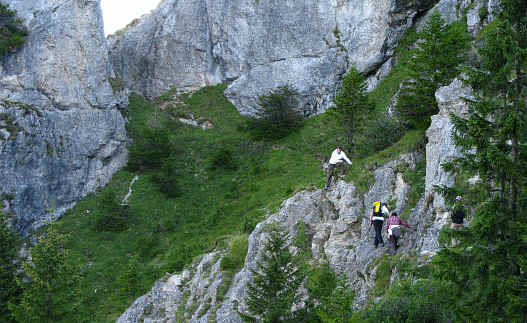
x: 378, y: 134
x: 235, y: 259
x: 277, y: 116
x: 167, y: 178
x: 12, y: 32
x: 223, y: 159
x: 422, y: 301
x: 111, y: 215
x: 152, y: 146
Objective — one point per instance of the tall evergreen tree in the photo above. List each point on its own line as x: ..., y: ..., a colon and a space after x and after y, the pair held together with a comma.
x: 51, y: 293
x: 488, y: 265
x: 352, y: 106
x: 435, y: 61
x: 8, y: 270
x: 274, y: 289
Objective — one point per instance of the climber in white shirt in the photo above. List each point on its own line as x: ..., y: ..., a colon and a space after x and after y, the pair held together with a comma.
x: 337, y: 159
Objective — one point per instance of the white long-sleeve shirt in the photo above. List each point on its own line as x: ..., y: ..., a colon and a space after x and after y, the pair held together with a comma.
x: 337, y: 158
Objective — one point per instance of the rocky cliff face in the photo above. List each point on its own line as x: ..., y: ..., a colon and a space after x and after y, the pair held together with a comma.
x: 259, y: 45
x: 61, y: 135
x: 338, y: 229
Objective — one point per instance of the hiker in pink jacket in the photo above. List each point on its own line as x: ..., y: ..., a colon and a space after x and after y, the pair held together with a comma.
x: 393, y: 228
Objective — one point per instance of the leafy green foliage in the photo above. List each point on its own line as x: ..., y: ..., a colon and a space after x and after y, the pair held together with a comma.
x: 416, y: 179
x: 152, y: 146
x: 167, y: 178
x: 274, y: 288
x: 113, y: 216
x: 352, y: 106
x: 235, y: 259
x: 434, y: 63
x: 129, y: 280
x: 277, y: 115
x: 51, y: 293
x: 411, y: 302
x: 12, y: 31
x: 223, y: 159
x: 9, y: 290
x: 487, y: 265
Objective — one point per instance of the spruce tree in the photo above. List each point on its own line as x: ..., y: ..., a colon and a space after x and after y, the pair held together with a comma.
x: 274, y: 288
x: 352, y: 106
x: 8, y: 269
x: 488, y: 265
x: 51, y: 292
x: 436, y: 60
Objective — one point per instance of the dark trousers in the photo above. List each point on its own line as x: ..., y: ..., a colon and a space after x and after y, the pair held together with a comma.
x: 377, y: 224
x: 332, y: 169
x: 393, y: 243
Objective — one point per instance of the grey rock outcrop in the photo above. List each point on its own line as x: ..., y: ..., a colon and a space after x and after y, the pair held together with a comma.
x: 259, y: 45
x: 61, y: 133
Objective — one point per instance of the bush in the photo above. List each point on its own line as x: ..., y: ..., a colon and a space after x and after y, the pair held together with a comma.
x: 111, y: 215
x: 12, y: 32
x: 223, y: 159
x: 277, y: 116
x: 235, y: 259
x: 378, y: 134
x: 422, y: 301
x: 167, y: 178
x: 151, y: 148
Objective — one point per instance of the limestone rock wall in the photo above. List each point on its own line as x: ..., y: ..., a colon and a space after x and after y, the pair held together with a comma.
x: 61, y: 135
x: 259, y: 45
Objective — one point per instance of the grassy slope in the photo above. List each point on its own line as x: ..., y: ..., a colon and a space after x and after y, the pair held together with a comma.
x: 168, y: 233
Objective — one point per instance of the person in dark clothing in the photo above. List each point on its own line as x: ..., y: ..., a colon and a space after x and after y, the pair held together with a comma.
x: 393, y: 228
x: 377, y: 215
x: 458, y: 214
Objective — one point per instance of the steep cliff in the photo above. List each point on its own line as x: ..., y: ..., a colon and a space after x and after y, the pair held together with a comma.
x: 61, y: 133
x: 337, y: 227
x: 259, y: 45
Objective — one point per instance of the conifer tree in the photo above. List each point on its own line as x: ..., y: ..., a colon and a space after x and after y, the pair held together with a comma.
x: 8, y: 271
x: 352, y: 106
x: 51, y: 293
x: 274, y: 289
x: 488, y: 265
x: 435, y: 61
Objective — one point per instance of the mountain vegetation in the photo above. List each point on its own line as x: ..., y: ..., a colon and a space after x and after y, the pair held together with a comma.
x: 200, y: 190
x: 12, y: 31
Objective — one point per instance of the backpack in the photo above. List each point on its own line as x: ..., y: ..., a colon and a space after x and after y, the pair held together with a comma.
x: 377, y: 209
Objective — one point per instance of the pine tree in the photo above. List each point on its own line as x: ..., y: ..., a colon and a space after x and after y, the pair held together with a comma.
x: 488, y: 265
x: 352, y: 106
x: 51, y: 293
x: 435, y: 61
x: 8, y: 270
x: 274, y: 288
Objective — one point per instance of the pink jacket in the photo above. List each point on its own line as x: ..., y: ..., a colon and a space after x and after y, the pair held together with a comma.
x: 395, y: 220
